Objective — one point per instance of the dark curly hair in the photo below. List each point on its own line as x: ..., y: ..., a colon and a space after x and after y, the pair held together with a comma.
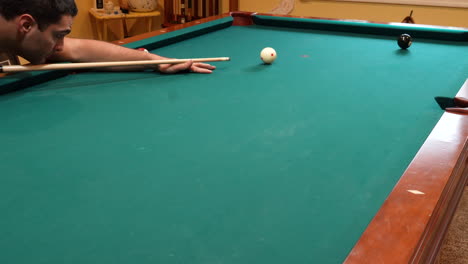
x: 45, y: 12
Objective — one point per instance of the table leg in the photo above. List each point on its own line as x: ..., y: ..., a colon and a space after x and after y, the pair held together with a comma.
x: 104, y: 31
x: 125, y: 29
x: 150, y: 24
x: 96, y: 27
x: 99, y: 29
x: 121, y: 29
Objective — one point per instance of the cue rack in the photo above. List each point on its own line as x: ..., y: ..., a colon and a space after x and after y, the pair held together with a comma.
x: 182, y: 11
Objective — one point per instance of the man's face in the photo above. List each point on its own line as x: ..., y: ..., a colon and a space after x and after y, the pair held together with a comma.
x: 38, y: 45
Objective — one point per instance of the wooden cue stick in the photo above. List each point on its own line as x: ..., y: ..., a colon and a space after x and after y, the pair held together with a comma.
x: 174, y: 14
x: 177, y: 10
x: 87, y: 65
x: 175, y: 7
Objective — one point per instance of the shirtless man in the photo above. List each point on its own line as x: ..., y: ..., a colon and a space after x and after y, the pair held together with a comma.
x: 36, y: 30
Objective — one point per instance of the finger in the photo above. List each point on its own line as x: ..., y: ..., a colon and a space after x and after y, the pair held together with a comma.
x: 179, y: 67
x: 204, y: 65
x: 200, y: 70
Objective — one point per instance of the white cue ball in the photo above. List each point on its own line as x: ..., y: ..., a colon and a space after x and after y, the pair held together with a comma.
x: 268, y: 55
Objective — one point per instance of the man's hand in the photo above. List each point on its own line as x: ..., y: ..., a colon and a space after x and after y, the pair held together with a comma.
x: 188, y: 66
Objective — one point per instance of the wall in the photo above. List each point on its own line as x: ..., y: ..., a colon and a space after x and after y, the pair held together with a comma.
x: 82, y: 27
x: 442, y: 16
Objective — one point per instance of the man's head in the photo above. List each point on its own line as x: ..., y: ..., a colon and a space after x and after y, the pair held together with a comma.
x: 41, y: 25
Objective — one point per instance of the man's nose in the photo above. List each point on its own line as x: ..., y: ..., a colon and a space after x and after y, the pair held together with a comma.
x: 59, y: 45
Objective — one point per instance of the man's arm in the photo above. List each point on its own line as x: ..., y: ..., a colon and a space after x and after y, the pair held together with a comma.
x: 85, y: 50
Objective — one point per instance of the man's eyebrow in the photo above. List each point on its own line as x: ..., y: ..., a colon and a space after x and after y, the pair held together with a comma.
x: 65, y: 31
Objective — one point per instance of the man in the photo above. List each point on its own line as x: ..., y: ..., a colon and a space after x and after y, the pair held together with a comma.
x: 36, y: 30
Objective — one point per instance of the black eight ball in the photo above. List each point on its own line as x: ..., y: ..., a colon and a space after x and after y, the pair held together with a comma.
x: 404, y: 41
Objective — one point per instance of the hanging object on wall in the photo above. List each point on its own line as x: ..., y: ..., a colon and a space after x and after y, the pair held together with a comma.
x: 284, y: 8
x: 142, y: 5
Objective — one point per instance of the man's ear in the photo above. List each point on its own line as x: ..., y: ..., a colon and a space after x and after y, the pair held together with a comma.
x: 25, y: 23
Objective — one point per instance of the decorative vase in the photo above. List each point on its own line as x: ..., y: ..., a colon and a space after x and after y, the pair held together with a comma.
x: 109, y: 7
x: 142, y: 5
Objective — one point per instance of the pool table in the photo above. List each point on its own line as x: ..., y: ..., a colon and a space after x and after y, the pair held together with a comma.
x: 336, y: 152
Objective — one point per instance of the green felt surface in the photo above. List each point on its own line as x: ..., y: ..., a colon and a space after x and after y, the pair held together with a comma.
x: 282, y: 163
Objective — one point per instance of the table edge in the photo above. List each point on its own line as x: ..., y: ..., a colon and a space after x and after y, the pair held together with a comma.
x: 410, y: 226
x: 242, y: 18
